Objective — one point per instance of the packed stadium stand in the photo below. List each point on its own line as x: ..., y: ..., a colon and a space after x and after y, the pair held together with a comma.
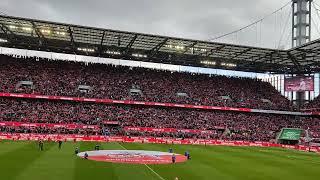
x: 210, y: 124
x: 34, y: 75
x: 67, y: 78
x: 313, y: 105
x: 78, y: 102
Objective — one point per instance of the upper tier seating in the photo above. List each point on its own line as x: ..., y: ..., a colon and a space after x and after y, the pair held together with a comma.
x: 66, y: 78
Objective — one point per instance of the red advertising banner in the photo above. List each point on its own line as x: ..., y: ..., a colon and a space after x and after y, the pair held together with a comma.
x: 130, y: 102
x: 299, y: 83
x: 157, y: 104
x: 169, y: 130
x: 211, y: 142
x: 67, y: 126
x: 111, y: 122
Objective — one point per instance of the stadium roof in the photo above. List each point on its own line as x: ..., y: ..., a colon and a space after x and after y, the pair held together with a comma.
x: 16, y: 32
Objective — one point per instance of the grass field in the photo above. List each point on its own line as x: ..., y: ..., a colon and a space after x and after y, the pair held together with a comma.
x: 23, y: 161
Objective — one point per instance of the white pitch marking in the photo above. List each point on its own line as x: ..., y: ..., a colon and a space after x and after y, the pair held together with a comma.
x: 146, y: 166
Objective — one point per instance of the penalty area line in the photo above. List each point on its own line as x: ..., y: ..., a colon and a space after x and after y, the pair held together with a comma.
x: 160, y: 177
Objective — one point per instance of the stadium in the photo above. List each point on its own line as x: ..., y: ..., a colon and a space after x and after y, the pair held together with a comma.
x: 88, y: 102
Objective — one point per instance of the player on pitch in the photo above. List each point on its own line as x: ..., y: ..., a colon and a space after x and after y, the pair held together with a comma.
x: 173, y: 158
x: 187, y: 154
x: 40, y: 144
x: 76, y: 151
x: 60, y: 144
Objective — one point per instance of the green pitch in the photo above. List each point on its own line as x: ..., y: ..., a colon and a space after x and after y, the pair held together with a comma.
x: 23, y: 161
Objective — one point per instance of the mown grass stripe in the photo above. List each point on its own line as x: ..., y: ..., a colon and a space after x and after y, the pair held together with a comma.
x: 7, y: 146
x: 153, y: 171
x: 16, y: 161
x: 23, y: 161
x: 87, y: 170
x: 60, y: 162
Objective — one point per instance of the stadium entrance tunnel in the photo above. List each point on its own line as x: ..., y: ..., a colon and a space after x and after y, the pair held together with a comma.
x: 133, y: 156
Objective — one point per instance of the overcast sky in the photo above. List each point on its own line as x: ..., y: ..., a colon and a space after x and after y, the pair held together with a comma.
x: 196, y: 19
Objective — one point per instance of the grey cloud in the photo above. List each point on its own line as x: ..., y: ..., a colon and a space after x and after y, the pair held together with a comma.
x: 184, y: 18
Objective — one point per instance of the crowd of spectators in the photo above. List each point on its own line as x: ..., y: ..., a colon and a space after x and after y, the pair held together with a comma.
x: 236, y: 126
x: 216, y: 134
x: 313, y: 105
x: 62, y: 78
x: 46, y: 130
